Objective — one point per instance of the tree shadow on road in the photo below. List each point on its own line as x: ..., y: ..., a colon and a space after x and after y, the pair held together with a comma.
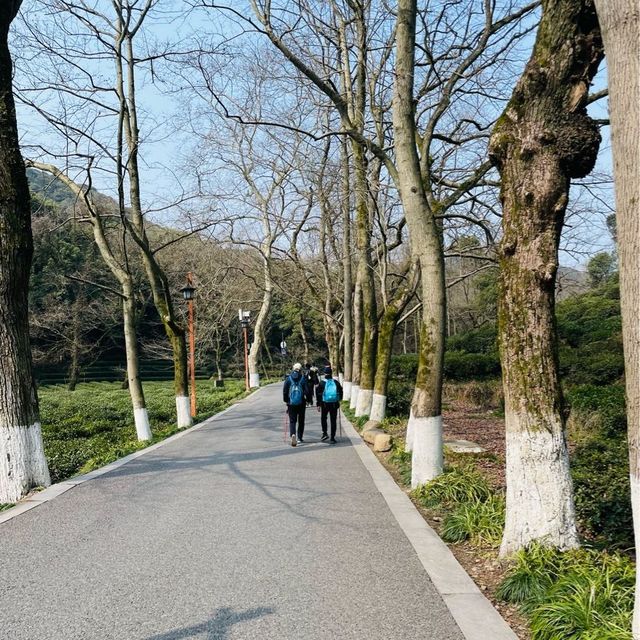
x: 217, y: 627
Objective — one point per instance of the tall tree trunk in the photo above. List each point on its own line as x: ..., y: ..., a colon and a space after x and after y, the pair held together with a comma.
x: 365, y: 277
x: 424, y: 430
x: 158, y: 281
x: 347, y: 277
x: 22, y: 461
x: 388, y: 324
x: 358, y: 331
x: 74, y: 369
x: 303, y: 336
x: 263, y: 314
x: 620, y: 23
x: 140, y: 415
x: 543, y: 139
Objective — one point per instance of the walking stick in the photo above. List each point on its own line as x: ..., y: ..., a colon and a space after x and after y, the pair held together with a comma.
x: 284, y: 424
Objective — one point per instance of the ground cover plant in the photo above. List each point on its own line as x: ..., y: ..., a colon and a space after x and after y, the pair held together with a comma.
x: 93, y: 425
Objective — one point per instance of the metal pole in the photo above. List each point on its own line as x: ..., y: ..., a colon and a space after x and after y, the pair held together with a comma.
x: 192, y: 351
x: 246, y: 356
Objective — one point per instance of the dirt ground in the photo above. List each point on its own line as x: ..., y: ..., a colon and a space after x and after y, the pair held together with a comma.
x: 482, y: 564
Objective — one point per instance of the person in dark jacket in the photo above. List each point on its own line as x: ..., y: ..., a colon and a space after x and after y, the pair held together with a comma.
x: 313, y: 378
x: 328, y: 396
x: 297, y: 393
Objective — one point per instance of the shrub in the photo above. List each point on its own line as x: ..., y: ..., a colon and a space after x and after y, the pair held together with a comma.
x: 92, y: 426
x: 480, y: 522
x: 399, y: 395
x: 459, y: 365
x: 402, y: 459
x: 455, y: 485
x: 575, y: 595
x: 404, y: 367
x: 600, y: 464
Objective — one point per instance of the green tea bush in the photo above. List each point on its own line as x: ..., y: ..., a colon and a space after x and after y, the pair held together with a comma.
x: 399, y: 396
x: 460, y: 365
x: 600, y: 464
x: 93, y: 425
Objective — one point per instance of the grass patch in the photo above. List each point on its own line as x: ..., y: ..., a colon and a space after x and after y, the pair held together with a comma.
x: 402, y: 460
x: 575, y: 595
x: 6, y: 505
x: 350, y: 414
x: 480, y: 522
x: 456, y: 485
x: 93, y: 425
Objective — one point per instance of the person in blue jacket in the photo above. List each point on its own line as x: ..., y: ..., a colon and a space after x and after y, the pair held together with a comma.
x: 328, y: 396
x: 297, y: 393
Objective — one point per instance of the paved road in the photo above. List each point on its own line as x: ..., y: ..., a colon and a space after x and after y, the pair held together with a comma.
x: 226, y: 533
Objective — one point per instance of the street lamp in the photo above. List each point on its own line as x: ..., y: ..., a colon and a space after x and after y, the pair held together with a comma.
x: 245, y: 320
x: 189, y: 294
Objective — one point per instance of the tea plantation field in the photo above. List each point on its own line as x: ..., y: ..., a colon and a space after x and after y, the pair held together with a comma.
x: 93, y: 425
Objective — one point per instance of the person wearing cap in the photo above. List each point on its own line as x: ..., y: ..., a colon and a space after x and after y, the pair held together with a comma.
x: 328, y: 396
x: 296, y: 393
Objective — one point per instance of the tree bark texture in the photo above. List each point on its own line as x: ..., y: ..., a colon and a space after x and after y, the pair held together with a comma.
x: 543, y: 139
x: 386, y: 332
x: 263, y: 314
x: 620, y: 24
x: 424, y: 435
x: 347, y: 275
x: 22, y: 461
x: 358, y: 330
x: 365, y: 277
x: 140, y: 415
x: 158, y: 281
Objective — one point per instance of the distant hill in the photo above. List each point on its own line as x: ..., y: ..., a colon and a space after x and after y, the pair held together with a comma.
x: 49, y: 188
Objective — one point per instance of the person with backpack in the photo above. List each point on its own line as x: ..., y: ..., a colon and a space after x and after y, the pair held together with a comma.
x: 312, y: 378
x: 328, y: 396
x: 297, y: 393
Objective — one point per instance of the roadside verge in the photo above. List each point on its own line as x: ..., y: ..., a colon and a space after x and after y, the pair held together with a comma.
x: 474, y: 614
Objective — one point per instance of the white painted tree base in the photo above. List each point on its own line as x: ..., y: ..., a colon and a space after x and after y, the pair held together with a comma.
x: 346, y: 390
x: 22, y: 462
x: 254, y: 380
x: 408, y: 439
x: 635, y: 506
x: 426, y: 458
x: 183, y: 409
x: 378, y: 407
x: 143, y: 429
x: 340, y: 377
x: 355, y: 388
x: 363, y: 405
x: 539, y: 492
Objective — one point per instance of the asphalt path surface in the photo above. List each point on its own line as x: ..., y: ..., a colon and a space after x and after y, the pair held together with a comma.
x: 226, y: 533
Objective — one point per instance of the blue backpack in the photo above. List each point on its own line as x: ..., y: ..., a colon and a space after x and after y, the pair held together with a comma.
x: 330, y: 393
x: 296, y: 394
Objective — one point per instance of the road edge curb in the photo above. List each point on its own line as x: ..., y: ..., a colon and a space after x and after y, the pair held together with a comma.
x: 474, y: 614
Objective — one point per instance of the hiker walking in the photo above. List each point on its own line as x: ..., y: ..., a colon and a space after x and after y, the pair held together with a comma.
x: 328, y: 396
x: 312, y: 378
x: 297, y: 393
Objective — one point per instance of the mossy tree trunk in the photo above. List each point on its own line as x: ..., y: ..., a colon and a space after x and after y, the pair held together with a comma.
x: 22, y: 461
x: 424, y: 432
x: 358, y: 330
x: 347, y: 293
x: 386, y: 332
x: 369, y: 313
x: 543, y: 139
x: 620, y: 23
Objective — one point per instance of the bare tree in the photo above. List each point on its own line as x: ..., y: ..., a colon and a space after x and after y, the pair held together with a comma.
x: 620, y: 24
x: 22, y: 461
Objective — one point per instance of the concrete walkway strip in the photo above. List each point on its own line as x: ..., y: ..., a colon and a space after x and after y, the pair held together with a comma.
x: 59, y: 488
x: 474, y: 614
